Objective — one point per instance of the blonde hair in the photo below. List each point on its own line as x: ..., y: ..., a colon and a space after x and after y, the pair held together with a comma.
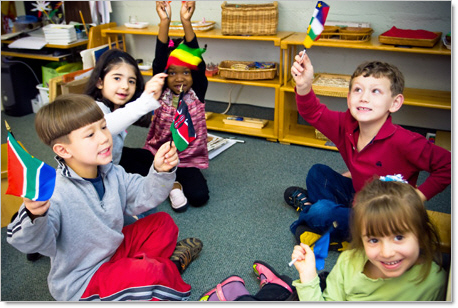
x: 387, y: 208
x: 65, y: 114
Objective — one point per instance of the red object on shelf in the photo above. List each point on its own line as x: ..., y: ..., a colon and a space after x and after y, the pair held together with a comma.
x: 408, y: 33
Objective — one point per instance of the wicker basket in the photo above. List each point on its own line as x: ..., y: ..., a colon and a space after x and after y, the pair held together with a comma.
x: 249, y: 19
x: 229, y: 69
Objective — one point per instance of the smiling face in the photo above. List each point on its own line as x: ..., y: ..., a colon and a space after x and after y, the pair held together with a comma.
x: 119, y: 84
x: 390, y: 256
x: 370, y: 100
x: 178, y: 76
x: 89, y: 147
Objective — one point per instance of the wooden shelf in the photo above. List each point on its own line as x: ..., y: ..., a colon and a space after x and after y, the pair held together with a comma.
x: 211, y: 34
x: 38, y: 56
x: 291, y: 132
x: 373, y: 44
x: 215, y: 122
x: 34, y: 56
x: 305, y: 135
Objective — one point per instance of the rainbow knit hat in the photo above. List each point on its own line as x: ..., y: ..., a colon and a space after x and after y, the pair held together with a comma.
x: 184, y: 55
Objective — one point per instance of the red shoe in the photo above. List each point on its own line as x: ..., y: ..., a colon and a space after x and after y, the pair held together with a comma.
x: 266, y: 274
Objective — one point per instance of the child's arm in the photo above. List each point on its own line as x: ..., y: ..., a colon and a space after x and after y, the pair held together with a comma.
x: 302, y: 72
x: 186, y: 12
x: 305, y: 264
x: 164, y: 24
x: 120, y: 119
x: 166, y: 157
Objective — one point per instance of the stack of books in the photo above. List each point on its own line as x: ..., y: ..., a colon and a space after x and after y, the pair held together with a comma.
x: 59, y: 34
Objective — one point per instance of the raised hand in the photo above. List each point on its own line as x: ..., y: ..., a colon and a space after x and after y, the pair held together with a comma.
x: 302, y: 72
x: 155, y: 84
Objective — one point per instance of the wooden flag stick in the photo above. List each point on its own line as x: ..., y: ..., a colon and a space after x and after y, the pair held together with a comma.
x: 8, y: 128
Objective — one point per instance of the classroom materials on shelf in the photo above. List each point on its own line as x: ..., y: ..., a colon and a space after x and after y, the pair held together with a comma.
x: 137, y: 25
x: 211, y: 69
x: 246, y: 122
x: 249, y: 19
x: 197, y: 26
x: 247, y: 70
x: 409, y: 37
x: 60, y: 34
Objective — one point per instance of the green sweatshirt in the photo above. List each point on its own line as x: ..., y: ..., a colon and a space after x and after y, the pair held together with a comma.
x: 346, y: 282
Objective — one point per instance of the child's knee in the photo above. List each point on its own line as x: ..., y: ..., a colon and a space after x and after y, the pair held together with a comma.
x: 198, y: 198
x: 317, y: 171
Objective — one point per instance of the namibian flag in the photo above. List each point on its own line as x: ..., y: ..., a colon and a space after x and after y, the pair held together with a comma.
x: 182, y: 129
x: 184, y: 55
x: 316, y: 25
x: 27, y: 176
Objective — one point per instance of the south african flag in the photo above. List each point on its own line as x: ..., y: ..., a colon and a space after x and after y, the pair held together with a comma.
x: 28, y: 176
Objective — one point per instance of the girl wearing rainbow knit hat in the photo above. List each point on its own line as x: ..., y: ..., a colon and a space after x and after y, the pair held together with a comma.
x: 186, y: 72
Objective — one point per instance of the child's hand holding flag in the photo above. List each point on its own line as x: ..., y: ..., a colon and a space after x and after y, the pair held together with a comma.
x: 28, y: 177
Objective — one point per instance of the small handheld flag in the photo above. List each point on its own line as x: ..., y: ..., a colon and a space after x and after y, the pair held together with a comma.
x: 321, y: 248
x: 182, y: 129
x: 28, y: 176
x: 316, y: 25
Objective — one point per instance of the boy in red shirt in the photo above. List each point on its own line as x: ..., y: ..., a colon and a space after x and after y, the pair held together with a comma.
x: 370, y: 144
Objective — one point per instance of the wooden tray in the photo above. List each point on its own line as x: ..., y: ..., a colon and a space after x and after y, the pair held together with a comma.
x: 331, y: 84
x: 347, y: 37
x: 196, y: 25
x: 409, y: 41
x: 226, y: 71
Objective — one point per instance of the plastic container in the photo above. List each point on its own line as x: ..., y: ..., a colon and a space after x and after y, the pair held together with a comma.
x: 44, y: 94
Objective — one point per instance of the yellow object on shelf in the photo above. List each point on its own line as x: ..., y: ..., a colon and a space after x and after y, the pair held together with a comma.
x: 246, y: 122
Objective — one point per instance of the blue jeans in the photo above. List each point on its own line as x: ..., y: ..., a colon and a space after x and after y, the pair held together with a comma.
x: 331, y: 195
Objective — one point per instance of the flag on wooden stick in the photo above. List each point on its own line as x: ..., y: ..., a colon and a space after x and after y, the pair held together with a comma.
x: 182, y: 129
x: 316, y: 25
x: 28, y: 176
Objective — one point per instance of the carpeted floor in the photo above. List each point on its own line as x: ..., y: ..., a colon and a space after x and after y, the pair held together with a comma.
x: 245, y: 219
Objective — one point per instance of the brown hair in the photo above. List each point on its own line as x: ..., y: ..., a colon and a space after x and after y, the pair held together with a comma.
x: 378, y: 69
x: 65, y: 114
x: 387, y: 208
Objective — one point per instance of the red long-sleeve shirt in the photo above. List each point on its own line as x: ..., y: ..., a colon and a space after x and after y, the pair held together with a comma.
x: 394, y: 150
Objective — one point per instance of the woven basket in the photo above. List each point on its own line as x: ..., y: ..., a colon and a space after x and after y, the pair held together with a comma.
x: 249, y: 19
x: 228, y: 69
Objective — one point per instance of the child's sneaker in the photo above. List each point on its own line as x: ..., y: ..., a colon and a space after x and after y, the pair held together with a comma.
x: 227, y: 290
x: 266, y: 274
x: 186, y: 251
x: 178, y: 201
x: 297, y: 197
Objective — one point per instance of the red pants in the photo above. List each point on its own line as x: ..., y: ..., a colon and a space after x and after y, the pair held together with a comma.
x: 141, y: 269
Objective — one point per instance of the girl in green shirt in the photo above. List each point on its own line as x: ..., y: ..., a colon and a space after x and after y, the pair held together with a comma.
x: 394, y: 255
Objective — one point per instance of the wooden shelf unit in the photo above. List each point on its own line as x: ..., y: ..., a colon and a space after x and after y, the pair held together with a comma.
x: 38, y: 56
x: 215, y: 122
x: 291, y: 132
